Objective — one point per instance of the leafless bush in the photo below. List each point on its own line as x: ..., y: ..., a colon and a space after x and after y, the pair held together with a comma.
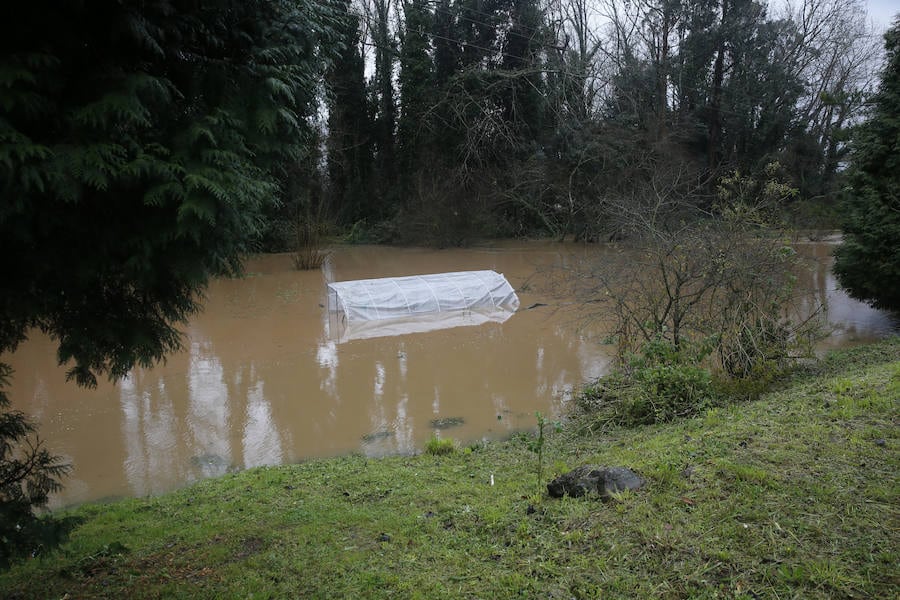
x: 715, y: 282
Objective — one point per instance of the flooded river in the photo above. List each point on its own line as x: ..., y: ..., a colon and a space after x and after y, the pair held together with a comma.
x: 263, y: 381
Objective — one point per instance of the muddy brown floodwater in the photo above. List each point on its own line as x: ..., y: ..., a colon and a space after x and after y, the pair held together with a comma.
x: 261, y: 381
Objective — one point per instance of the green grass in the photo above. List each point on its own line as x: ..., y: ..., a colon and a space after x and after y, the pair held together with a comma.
x: 438, y: 447
x: 792, y: 496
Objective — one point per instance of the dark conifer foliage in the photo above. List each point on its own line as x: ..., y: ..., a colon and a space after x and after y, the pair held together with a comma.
x: 140, y: 143
x: 350, y: 141
x: 416, y: 83
x: 868, y: 262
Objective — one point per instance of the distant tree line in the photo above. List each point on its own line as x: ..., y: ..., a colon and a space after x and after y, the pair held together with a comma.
x: 448, y: 119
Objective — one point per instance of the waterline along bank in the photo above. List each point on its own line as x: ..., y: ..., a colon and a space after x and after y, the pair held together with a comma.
x: 793, y: 495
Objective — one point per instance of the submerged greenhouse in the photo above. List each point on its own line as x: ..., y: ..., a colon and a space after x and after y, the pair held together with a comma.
x: 367, y: 308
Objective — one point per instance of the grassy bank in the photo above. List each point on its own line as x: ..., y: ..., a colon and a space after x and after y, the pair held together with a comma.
x: 795, y: 495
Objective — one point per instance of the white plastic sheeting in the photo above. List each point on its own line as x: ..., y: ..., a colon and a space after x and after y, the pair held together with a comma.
x: 397, y: 305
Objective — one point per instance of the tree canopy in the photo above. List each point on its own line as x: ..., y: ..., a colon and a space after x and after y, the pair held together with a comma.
x: 140, y: 144
x: 459, y: 118
x: 868, y: 261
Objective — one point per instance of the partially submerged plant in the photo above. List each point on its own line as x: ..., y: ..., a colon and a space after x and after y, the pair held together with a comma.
x: 697, y: 292
x: 440, y: 447
x: 310, y: 249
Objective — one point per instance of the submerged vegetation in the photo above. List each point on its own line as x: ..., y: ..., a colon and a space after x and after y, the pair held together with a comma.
x: 440, y: 447
x: 791, y: 495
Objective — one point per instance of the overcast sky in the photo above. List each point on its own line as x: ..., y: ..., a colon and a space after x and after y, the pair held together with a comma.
x: 883, y: 11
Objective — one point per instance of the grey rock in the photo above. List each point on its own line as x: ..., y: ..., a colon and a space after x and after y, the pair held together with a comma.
x: 594, y: 478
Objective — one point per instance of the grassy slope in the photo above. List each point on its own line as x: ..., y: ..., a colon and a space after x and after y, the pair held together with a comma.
x: 795, y: 495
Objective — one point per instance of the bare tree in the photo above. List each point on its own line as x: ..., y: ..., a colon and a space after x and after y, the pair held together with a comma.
x: 835, y: 51
x: 698, y: 280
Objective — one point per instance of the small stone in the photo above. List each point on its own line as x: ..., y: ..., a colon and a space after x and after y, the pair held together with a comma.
x: 384, y: 537
x: 881, y: 442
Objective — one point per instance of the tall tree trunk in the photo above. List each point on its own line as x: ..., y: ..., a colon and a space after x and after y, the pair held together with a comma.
x: 662, y: 75
x: 715, y: 99
x: 387, y: 110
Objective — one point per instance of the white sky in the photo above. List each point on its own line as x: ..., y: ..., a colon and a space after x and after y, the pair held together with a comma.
x: 883, y: 11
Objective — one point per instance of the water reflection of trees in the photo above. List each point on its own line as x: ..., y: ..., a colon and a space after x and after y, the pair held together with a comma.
x: 491, y: 378
x: 261, y: 442
x: 209, y: 411
x: 846, y: 320
x: 150, y: 426
x: 201, y: 417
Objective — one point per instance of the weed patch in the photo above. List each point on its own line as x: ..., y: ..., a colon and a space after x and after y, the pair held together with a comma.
x: 440, y: 447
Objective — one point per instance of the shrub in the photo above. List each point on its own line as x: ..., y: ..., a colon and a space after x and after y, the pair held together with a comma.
x: 660, y: 384
x: 310, y: 245
x: 695, y: 289
x: 674, y: 391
